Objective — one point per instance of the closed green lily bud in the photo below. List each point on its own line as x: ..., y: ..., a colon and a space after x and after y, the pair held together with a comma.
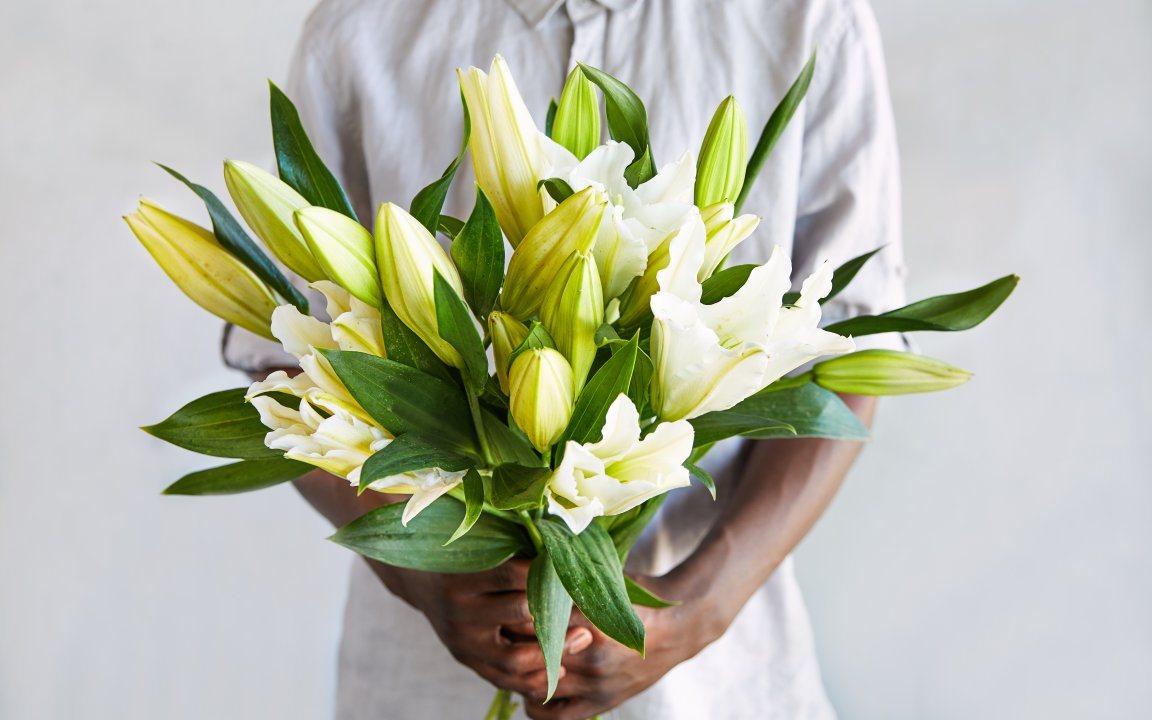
x: 267, y: 204
x: 577, y: 124
x: 542, y: 395
x: 570, y: 227
x: 204, y: 271
x: 723, y: 156
x: 886, y: 372
x: 408, y: 257
x: 724, y: 233
x: 507, y: 333
x: 573, y: 310
x: 344, y: 250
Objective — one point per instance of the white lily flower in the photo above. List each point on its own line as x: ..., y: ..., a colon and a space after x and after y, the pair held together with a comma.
x: 637, y: 220
x: 724, y: 233
x: 341, y: 443
x: 710, y: 357
x: 620, y: 471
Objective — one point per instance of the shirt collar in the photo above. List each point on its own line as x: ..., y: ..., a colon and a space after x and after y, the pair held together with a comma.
x: 536, y: 12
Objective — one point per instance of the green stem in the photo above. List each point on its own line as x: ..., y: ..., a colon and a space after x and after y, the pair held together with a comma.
x: 533, y: 531
x: 502, y: 706
x: 477, y: 420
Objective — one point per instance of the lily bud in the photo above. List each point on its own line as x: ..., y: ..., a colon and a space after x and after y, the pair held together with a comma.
x: 344, y: 250
x: 508, y: 152
x: 542, y: 395
x: 573, y: 310
x: 570, y: 227
x: 723, y: 156
x: 408, y: 257
x: 507, y: 333
x: 724, y: 234
x: 887, y: 372
x: 204, y: 271
x: 577, y: 123
x: 267, y: 204
x: 672, y: 259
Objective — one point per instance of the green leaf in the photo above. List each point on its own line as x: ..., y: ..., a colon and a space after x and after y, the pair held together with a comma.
x: 505, y: 444
x: 299, y: 164
x: 428, y: 203
x: 232, y: 237
x: 221, y: 424
x: 725, y: 283
x: 590, y: 571
x: 456, y: 325
x: 802, y: 411
x: 536, y: 339
x: 406, y: 347
x: 478, y: 251
x: 626, y: 528
x: 516, y: 487
x: 642, y: 596
x: 403, y: 399
x: 613, y: 377
x: 420, y: 546
x: 641, y: 383
x: 703, y: 477
x: 239, y: 477
x: 408, y: 452
x: 627, y: 122
x: 774, y: 128
x: 840, y: 278
x: 943, y: 313
x: 473, y: 503
x: 450, y: 226
x: 550, y: 117
x: 557, y: 188
x: 551, y: 609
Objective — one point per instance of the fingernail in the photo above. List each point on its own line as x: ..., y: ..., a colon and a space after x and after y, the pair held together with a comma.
x: 581, y: 639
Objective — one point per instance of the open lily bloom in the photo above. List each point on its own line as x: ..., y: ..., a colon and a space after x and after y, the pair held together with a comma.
x: 710, y: 357
x: 620, y: 471
x: 636, y: 219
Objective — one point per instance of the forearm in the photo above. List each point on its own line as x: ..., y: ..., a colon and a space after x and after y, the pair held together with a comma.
x: 336, y: 500
x: 785, y: 488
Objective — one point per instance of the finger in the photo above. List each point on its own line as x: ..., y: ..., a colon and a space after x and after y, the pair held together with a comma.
x: 561, y: 709
x: 577, y: 640
x: 532, y: 686
x: 508, y: 609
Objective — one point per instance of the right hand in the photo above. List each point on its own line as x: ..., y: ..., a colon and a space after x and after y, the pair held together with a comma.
x: 483, y: 620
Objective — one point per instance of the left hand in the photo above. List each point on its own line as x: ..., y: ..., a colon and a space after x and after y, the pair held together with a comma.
x: 607, y: 673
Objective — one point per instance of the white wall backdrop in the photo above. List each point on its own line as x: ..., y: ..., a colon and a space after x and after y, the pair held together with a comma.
x: 988, y: 559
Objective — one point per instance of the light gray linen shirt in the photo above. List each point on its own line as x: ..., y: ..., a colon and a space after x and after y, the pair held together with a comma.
x: 375, y: 84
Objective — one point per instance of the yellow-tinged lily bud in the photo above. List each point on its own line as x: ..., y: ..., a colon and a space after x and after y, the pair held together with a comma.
x: 573, y: 310
x: 887, y: 372
x: 542, y: 395
x: 344, y: 250
x: 570, y: 227
x: 407, y: 256
x: 507, y: 333
x: 267, y: 204
x: 203, y: 270
x: 508, y: 152
x: 723, y: 156
x: 724, y: 234
x: 577, y: 123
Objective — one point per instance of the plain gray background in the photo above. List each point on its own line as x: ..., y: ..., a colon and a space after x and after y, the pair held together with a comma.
x: 988, y: 558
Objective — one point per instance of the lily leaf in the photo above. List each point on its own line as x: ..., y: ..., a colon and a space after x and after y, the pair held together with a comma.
x: 428, y: 203
x: 613, y: 377
x: 420, y: 546
x: 408, y: 452
x: 516, y: 487
x: 456, y: 325
x: 557, y: 188
x: 243, y: 476
x: 627, y: 123
x: 943, y: 313
x: 478, y: 251
x: 775, y: 126
x: 298, y: 162
x: 591, y: 573
x: 642, y: 596
x: 473, y: 503
x: 221, y: 424
x: 233, y: 238
x: 551, y: 609
x: 703, y: 477
x: 801, y: 411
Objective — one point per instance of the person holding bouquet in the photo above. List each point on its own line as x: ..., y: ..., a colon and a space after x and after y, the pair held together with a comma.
x: 367, y: 80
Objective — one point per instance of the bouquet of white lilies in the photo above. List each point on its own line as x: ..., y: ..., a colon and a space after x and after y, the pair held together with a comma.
x: 539, y: 407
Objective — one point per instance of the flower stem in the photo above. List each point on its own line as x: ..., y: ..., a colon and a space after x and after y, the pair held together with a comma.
x: 502, y: 706
x: 477, y: 420
x: 533, y: 531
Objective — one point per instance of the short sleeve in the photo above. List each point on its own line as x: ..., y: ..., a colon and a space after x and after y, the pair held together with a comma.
x: 849, y: 191
x: 327, y: 112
